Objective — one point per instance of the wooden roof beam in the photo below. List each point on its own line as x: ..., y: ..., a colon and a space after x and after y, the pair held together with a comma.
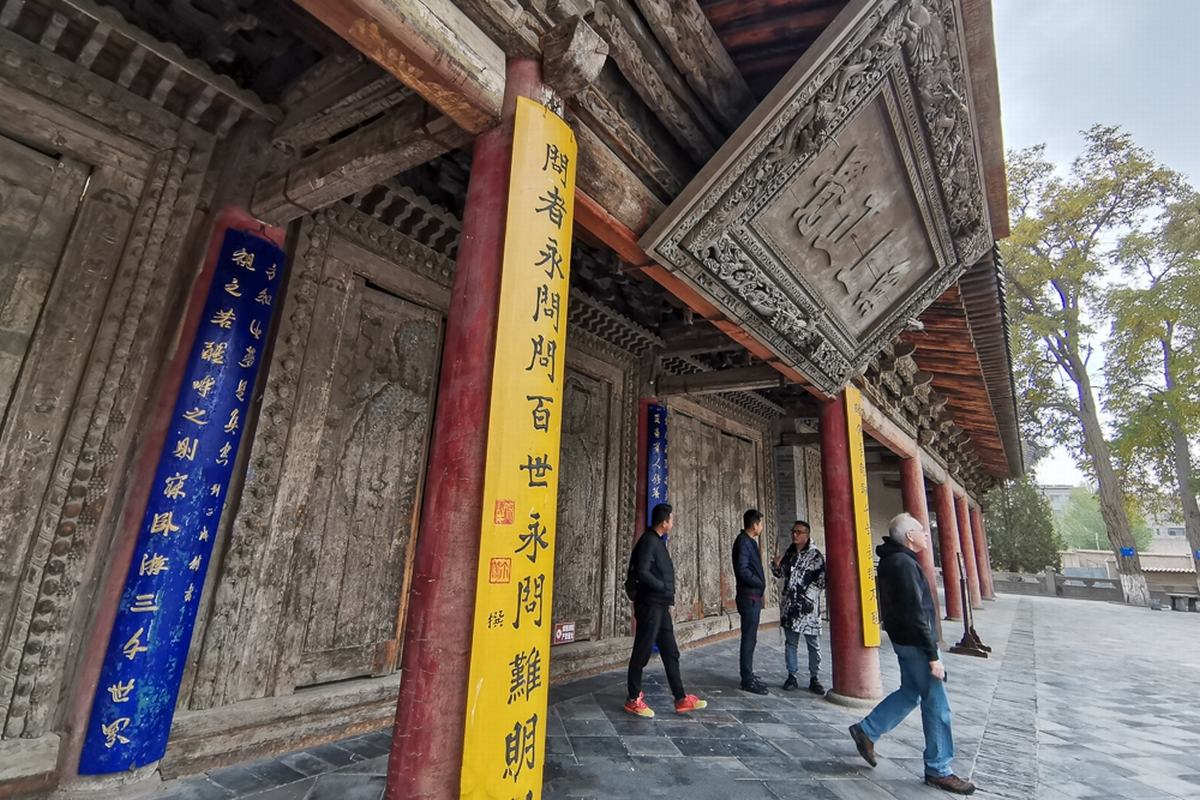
x: 698, y: 339
x: 431, y: 46
x: 404, y: 137
x: 692, y: 45
x: 739, y: 379
x: 641, y: 60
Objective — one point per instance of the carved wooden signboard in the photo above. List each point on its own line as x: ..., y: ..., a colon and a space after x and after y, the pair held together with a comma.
x: 849, y: 200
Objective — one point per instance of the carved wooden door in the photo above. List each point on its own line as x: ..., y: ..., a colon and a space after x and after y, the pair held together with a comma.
x: 39, y: 195
x: 714, y: 478
x: 584, y: 507
x: 363, y: 504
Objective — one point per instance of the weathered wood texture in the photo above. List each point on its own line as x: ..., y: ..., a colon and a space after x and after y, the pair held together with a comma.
x: 407, y: 136
x: 87, y: 366
x: 589, y: 502
x: 572, y: 56
x: 689, y: 39
x: 641, y: 60
x: 359, y: 515
x: 628, y: 127
x: 716, y: 473
x: 759, y: 376
x: 430, y: 45
x: 307, y: 537
x: 336, y: 94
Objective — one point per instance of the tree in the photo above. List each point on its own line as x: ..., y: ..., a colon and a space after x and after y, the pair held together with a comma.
x: 1055, y: 263
x: 1153, y: 362
x: 1020, y: 529
x: 1081, y: 525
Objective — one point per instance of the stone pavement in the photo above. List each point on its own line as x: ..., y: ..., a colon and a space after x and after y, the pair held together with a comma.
x: 1081, y: 700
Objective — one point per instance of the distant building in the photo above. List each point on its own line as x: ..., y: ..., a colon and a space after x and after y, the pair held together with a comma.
x: 1058, y: 496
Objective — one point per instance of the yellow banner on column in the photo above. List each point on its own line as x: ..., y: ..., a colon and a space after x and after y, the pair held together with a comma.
x: 862, y: 519
x: 505, y: 740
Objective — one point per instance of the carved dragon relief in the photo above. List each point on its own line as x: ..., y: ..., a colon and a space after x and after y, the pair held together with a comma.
x: 910, y: 52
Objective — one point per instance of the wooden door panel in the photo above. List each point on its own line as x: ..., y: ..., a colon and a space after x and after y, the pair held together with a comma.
x: 364, y: 502
x: 713, y: 480
x: 39, y: 196
x: 685, y: 492
x: 713, y: 521
x: 583, y: 502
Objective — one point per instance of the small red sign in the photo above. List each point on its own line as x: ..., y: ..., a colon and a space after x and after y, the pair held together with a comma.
x: 500, y: 570
x: 564, y: 633
x: 506, y: 512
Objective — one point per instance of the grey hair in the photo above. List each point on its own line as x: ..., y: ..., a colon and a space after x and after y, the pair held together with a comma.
x: 903, y: 524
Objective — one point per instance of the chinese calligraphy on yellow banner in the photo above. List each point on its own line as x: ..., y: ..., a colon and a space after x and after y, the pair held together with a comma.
x: 862, y: 518
x: 505, y: 738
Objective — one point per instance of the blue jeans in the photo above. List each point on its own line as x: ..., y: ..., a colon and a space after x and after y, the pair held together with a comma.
x: 917, y: 687
x: 791, y: 641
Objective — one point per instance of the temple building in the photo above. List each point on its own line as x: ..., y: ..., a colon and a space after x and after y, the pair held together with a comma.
x: 274, y: 314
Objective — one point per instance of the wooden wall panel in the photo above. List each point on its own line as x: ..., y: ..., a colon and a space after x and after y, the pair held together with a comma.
x: 716, y: 474
x: 583, y: 503
x: 104, y: 269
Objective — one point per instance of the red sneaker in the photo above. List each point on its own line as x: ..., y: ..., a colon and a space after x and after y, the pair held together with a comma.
x: 689, y: 703
x: 639, y: 707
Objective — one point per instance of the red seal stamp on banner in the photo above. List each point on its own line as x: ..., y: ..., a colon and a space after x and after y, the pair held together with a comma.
x: 506, y: 512
x: 500, y: 570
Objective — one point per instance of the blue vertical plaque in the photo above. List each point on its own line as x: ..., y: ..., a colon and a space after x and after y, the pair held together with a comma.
x: 147, y: 650
x: 656, y: 457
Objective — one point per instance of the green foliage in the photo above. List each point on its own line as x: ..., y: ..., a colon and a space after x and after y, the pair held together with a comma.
x: 1057, y: 266
x: 1153, y: 353
x: 1081, y: 527
x: 1020, y: 529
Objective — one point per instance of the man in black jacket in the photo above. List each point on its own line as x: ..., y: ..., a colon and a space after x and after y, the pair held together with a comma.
x: 651, y: 567
x: 906, y: 603
x: 751, y: 583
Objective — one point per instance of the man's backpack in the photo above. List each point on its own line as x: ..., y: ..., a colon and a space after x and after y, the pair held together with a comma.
x: 631, y: 581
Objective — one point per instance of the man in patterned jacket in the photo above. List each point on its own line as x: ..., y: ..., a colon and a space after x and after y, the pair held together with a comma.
x: 802, y: 568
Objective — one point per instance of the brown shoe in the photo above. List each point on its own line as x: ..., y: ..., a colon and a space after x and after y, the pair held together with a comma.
x: 866, y: 748
x: 951, y: 783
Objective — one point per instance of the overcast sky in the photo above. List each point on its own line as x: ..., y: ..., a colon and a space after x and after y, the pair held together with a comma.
x: 1067, y: 64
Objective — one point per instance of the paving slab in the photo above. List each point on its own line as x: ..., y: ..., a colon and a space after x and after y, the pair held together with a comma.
x: 1079, y: 700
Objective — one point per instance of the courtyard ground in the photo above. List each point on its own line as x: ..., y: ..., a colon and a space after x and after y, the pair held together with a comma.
x: 1079, y: 700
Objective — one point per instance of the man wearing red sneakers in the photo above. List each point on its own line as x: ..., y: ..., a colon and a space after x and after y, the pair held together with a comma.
x: 651, y: 567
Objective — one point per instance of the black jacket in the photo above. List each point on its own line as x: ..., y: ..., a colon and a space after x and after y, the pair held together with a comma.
x: 748, y: 567
x: 654, y: 570
x: 905, y: 601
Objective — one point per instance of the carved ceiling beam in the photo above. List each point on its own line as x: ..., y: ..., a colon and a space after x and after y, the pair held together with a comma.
x: 641, y: 60
x: 407, y: 136
x: 760, y: 376
x: 698, y: 339
x: 335, y: 95
x: 689, y: 39
x: 572, y: 56
x: 615, y: 112
x: 431, y: 46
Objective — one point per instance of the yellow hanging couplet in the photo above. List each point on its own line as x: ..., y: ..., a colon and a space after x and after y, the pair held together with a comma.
x: 505, y: 741
x: 862, y: 519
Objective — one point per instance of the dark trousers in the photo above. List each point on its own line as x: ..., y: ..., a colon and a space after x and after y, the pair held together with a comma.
x: 750, y: 610
x: 654, y: 626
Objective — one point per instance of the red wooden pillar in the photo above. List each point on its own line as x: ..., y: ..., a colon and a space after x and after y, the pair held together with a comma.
x: 427, y: 742
x: 967, y: 543
x: 948, y: 545
x: 912, y: 490
x: 855, y: 666
x: 983, y: 559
